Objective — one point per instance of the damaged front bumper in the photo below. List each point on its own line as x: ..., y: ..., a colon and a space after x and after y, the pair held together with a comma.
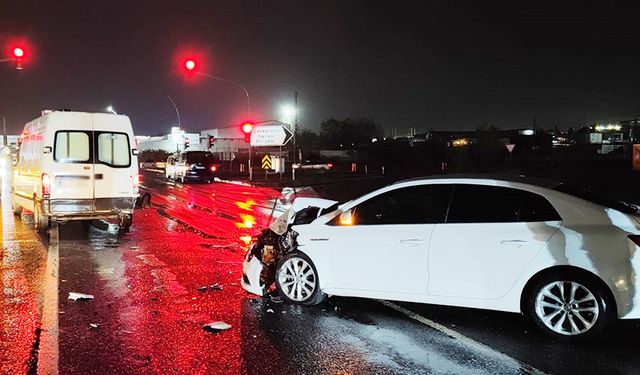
x: 259, y: 266
x: 251, y: 270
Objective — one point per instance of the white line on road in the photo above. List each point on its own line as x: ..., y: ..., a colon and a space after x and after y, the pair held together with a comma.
x: 48, y: 353
x: 466, y: 341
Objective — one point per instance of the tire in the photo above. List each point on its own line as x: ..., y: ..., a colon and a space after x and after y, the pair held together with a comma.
x: 125, y: 224
x: 304, y: 290
x: 40, y: 222
x: 586, y: 309
x: 17, y: 210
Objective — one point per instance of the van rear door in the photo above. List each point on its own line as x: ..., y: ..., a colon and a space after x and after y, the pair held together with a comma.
x: 114, y: 168
x: 72, y: 166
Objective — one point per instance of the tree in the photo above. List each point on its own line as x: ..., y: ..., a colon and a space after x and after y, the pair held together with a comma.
x: 308, y: 139
x: 348, y: 133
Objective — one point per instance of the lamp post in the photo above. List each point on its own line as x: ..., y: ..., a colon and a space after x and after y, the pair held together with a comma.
x: 243, y: 87
x: 111, y: 110
x: 176, y: 108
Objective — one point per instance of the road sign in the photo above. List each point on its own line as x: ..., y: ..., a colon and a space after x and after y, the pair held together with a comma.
x: 266, y: 162
x: 270, y: 135
x: 510, y: 147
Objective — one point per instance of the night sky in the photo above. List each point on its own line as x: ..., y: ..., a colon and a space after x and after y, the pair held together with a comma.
x: 428, y: 64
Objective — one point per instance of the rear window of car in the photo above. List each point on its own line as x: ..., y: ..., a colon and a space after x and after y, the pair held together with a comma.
x: 113, y: 149
x: 496, y: 204
x: 72, y: 147
x: 199, y: 157
x: 597, y: 199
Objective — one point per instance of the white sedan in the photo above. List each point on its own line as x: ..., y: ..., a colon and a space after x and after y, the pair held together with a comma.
x: 563, y: 257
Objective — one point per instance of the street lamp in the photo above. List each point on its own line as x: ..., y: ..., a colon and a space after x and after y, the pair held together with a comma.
x: 289, y: 115
x: 110, y: 109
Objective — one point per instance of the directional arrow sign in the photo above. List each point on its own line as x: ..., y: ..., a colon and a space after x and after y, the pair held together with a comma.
x: 270, y: 135
x: 266, y: 162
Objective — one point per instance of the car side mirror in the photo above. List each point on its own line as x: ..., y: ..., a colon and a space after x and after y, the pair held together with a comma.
x: 346, y: 218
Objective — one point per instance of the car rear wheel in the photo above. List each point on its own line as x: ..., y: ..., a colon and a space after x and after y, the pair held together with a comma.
x: 40, y: 221
x: 569, y: 306
x: 125, y: 223
x: 297, y: 280
x: 17, y: 209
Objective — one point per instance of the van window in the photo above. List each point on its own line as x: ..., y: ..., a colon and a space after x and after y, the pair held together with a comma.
x: 72, y: 147
x: 113, y: 149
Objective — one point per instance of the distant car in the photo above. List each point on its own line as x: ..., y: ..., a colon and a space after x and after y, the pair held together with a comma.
x: 150, y: 164
x: 191, y: 166
x: 563, y: 257
x: 320, y: 166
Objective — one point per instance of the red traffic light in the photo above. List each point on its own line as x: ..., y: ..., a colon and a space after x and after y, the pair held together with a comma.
x: 18, y: 52
x: 247, y: 127
x: 190, y: 65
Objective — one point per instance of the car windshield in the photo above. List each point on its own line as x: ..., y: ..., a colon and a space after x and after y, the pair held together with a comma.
x: 624, y: 207
x: 199, y: 157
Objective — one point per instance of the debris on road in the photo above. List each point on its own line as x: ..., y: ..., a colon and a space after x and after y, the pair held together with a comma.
x: 212, y: 287
x: 94, y: 326
x: 216, y: 327
x: 79, y: 296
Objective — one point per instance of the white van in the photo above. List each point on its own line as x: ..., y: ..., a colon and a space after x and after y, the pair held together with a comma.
x: 76, y: 166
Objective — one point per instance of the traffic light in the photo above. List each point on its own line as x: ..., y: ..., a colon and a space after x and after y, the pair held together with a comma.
x: 247, y: 127
x: 211, y: 141
x: 190, y: 65
x: 18, y: 55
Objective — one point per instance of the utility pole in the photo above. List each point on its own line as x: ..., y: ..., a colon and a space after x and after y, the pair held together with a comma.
x: 295, y: 126
x: 4, y: 131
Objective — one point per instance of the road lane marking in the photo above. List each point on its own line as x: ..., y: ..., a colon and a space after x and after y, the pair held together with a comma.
x: 49, y: 349
x: 466, y: 341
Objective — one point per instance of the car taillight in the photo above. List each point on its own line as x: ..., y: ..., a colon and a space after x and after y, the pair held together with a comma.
x: 46, y: 184
x: 213, y: 168
x: 635, y: 238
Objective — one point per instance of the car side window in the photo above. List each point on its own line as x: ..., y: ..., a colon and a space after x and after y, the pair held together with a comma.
x: 423, y: 204
x: 497, y: 204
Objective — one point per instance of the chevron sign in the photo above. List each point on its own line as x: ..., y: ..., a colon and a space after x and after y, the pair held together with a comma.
x: 266, y: 162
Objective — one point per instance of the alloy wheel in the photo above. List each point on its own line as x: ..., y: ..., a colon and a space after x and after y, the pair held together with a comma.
x: 567, y: 307
x: 297, y: 279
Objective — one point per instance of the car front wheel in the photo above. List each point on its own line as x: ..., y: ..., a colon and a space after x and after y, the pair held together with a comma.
x: 297, y: 280
x: 569, y: 306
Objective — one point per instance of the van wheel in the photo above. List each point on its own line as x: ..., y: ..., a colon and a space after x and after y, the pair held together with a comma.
x: 17, y: 210
x: 40, y: 221
x: 125, y: 223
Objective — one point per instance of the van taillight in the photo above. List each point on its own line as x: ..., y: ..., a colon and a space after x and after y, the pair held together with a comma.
x: 46, y: 184
x: 137, y: 180
x: 635, y: 238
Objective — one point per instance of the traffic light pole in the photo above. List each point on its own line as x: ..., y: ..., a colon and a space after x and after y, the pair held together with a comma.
x: 250, y: 169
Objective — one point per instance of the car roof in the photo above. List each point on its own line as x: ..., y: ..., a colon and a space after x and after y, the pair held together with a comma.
x: 535, y: 181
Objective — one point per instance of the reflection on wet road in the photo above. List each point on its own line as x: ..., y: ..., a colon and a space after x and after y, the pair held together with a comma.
x: 151, y: 296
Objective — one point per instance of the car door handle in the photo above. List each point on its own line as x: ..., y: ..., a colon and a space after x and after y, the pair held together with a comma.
x: 515, y: 243
x: 413, y: 241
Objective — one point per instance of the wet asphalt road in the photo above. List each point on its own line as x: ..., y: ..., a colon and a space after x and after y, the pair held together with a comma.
x: 147, y: 313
